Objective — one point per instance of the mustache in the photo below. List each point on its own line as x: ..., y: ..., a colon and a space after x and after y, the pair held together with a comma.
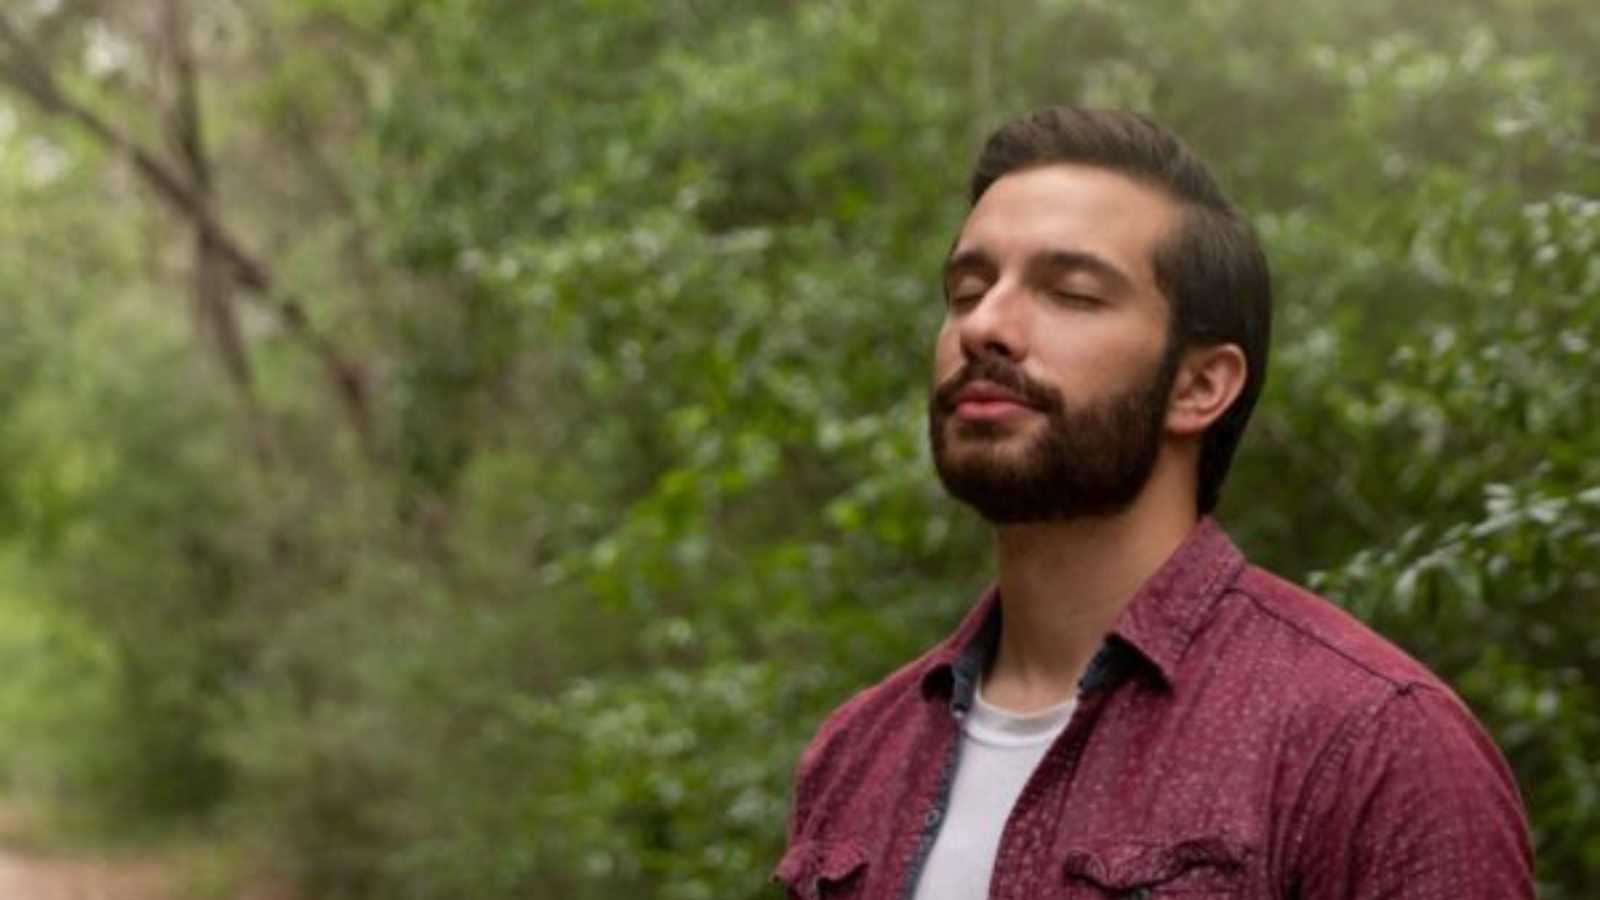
x: 999, y: 372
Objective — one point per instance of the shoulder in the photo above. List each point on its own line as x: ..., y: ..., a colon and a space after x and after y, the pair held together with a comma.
x: 1319, y: 639
x: 1335, y: 684
x: 866, y: 743
x: 1413, y: 796
x: 1375, y: 680
x: 883, y: 738
x: 1401, y: 762
x: 1272, y: 655
x: 871, y: 715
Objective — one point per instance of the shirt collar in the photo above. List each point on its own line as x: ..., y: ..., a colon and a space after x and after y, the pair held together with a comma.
x: 1171, y: 607
x: 1157, y: 626
x: 954, y: 666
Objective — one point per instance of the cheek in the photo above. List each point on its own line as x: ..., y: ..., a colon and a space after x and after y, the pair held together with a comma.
x: 1120, y: 352
x: 1102, y: 357
x: 946, y: 352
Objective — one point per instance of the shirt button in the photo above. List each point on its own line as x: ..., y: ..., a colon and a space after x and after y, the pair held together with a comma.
x: 1139, y: 893
x: 933, y: 817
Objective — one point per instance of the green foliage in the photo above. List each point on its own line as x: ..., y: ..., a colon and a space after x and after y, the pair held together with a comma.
x: 646, y: 290
x: 654, y: 802
x: 51, y: 745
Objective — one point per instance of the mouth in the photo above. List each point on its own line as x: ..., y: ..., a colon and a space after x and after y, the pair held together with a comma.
x: 985, y: 401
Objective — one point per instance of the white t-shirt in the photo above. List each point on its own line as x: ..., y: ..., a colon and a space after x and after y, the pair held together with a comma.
x: 999, y: 751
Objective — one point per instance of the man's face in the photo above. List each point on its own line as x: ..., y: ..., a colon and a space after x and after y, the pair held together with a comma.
x: 1052, y: 370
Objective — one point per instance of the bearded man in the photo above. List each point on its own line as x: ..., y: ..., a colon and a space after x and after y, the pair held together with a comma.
x: 1133, y: 710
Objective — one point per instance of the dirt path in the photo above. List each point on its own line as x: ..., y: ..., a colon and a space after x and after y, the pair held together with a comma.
x: 33, y: 869
x: 27, y: 877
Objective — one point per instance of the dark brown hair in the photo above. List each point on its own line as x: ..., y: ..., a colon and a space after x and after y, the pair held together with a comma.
x: 1211, y: 269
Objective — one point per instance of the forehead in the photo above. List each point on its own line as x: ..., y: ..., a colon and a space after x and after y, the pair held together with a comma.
x: 1071, y: 208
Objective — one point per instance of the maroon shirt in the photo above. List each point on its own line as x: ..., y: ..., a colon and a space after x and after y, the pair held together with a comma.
x: 1236, y: 737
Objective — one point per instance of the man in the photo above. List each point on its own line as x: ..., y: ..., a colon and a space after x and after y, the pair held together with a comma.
x: 1133, y: 710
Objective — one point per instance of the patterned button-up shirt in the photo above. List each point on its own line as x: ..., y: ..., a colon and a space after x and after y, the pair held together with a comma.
x: 1236, y: 737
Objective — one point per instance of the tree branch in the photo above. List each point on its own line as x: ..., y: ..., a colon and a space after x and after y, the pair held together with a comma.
x: 30, y: 76
x: 216, y: 321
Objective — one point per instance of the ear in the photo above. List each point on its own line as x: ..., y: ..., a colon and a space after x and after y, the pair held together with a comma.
x: 1209, y: 380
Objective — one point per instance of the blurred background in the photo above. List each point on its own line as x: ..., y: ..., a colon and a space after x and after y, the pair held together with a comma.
x: 461, y: 448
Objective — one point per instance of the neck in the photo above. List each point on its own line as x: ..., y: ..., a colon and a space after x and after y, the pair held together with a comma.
x: 1062, y: 587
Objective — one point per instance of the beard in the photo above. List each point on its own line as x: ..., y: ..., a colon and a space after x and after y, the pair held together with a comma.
x: 1088, y: 461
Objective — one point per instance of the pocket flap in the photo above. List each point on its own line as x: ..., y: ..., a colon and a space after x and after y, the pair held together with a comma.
x: 1202, y: 863
x: 809, y: 865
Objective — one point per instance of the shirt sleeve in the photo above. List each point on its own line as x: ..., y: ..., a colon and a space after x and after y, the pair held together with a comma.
x: 1414, y: 802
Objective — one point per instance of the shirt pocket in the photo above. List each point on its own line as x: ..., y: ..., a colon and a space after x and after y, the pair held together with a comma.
x: 1147, y: 870
x: 813, y: 869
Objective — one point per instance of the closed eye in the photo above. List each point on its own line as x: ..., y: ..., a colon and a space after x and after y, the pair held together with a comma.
x: 963, y: 300
x: 1074, y: 298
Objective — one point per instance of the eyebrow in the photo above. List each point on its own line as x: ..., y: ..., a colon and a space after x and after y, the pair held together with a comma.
x: 975, y: 260
x: 1077, y: 260
x: 969, y: 260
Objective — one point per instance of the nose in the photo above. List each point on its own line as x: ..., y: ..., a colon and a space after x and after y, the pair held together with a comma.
x: 995, y: 326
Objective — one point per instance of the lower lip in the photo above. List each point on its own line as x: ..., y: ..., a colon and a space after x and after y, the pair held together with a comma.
x: 991, y: 410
